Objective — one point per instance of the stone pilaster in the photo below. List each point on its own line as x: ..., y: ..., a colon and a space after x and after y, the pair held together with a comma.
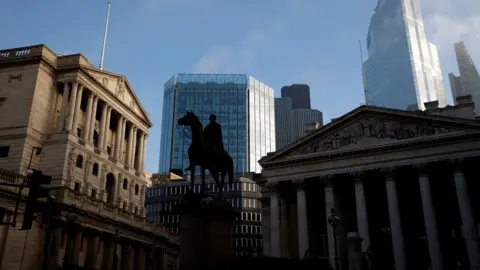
x: 76, y: 110
x: 93, y: 119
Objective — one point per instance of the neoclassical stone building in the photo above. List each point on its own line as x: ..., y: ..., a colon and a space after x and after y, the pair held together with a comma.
x: 86, y: 128
x: 406, y: 182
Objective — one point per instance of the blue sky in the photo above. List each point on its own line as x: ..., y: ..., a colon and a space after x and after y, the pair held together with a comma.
x: 277, y: 41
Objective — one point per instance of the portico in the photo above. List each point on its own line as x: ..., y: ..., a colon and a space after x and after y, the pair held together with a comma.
x: 97, y: 121
x: 404, y: 181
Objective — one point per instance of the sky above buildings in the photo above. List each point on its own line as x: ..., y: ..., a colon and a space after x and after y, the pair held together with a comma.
x: 279, y: 42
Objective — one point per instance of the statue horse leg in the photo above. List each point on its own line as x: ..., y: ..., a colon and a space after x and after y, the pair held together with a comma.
x: 202, y: 173
x: 192, y: 177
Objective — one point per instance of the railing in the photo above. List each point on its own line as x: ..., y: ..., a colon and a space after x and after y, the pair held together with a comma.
x: 20, y: 52
x: 117, y: 213
x: 11, y: 178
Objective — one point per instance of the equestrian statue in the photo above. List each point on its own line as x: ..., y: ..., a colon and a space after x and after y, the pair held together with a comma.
x: 206, y: 151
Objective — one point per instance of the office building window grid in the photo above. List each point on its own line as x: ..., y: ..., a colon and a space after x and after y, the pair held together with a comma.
x: 243, y: 105
x: 163, y: 199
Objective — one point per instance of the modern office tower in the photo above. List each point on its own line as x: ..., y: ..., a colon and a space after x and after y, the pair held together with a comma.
x: 243, y: 105
x: 301, y: 118
x: 300, y: 95
x: 468, y: 83
x: 163, y: 197
x: 283, y: 125
x: 291, y: 121
x: 403, y: 69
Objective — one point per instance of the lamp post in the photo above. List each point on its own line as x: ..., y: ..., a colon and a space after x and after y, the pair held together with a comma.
x: 334, y: 221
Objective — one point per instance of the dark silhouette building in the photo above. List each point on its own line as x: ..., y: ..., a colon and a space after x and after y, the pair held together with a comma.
x: 300, y: 95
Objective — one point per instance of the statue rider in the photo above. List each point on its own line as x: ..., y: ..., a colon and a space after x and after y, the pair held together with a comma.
x: 213, y: 134
x: 214, y: 139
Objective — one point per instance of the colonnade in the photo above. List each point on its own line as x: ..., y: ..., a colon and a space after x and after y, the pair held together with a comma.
x: 74, y: 245
x: 468, y: 223
x: 129, y: 144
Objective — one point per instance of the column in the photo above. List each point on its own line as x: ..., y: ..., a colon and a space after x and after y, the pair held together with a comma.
x: 63, y: 108
x: 73, y: 104
x: 395, y: 224
x: 139, y: 154
x: 88, y: 116
x: 92, y: 257
x: 362, y: 217
x: 103, y: 119
x: 69, y: 248
x: 144, y: 150
x: 302, y: 221
x: 329, y: 204
x: 107, y: 127
x: 77, y: 247
x: 129, y: 146
x: 141, y: 259
x: 469, y: 232
x: 122, y: 139
x: 76, y: 111
x: 109, y: 254
x: 55, y: 247
x: 274, y: 226
x: 92, y: 119
x: 117, y: 137
x: 134, y: 148
x: 430, y: 220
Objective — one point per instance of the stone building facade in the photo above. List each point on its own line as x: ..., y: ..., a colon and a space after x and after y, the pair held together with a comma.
x: 86, y: 128
x: 405, y: 182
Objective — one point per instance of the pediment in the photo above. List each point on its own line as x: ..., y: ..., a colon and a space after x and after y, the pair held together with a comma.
x: 118, y: 85
x: 369, y: 127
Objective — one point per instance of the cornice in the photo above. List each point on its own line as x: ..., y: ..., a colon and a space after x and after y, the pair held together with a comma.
x: 400, y: 146
x: 78, y: 69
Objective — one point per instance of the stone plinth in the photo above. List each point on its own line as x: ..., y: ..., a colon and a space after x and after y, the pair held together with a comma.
x: 354, y: 251
x: 206, y: 232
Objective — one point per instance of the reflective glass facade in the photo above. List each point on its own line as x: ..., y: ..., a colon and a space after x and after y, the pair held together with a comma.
x: 403, y: 68
x: 243, y: 105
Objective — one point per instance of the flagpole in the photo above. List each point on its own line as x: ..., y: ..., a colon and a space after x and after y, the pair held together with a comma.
x: 105, y: 36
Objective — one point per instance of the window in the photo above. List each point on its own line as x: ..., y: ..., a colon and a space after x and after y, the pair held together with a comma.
x: 136, y: 189
x: 76, y: 188
x: 94, y: 193
x: 95, y: 169
x: 4, y: 151
x: 79, y: 163
x: 125, y: 184
x: 79, y: 132
x: 2, y: 100
x: 109, y: 150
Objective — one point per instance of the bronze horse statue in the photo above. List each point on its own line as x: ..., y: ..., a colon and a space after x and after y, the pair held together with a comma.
x: 200, y: 154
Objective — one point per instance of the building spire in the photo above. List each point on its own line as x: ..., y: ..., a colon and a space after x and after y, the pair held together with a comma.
x: 105, y: 36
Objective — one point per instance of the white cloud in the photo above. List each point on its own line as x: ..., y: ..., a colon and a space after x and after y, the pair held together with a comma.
x: 449, y: 21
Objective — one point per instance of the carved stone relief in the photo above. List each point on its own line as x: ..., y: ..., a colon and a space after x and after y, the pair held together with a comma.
x: 105, y: 81
x: 17, y: 77
x: 120, y: 89
x: 369, y: 132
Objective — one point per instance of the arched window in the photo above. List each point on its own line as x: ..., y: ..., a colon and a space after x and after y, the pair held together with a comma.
x: 136, y: 189
x: 95, y: 169
x: 125, y: 184
x: 79, y: 163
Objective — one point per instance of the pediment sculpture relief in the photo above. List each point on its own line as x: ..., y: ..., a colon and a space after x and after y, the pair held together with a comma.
x: 120, y: 89
x: 370, y: 132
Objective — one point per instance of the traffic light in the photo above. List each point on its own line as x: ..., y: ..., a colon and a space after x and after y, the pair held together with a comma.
x: 36, y: 191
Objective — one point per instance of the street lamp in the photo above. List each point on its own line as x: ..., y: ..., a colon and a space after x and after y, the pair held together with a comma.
x: 334, y: 221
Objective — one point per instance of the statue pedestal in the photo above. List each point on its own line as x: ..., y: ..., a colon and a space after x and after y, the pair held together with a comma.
x: 354, y: 251
x: 206, y: 232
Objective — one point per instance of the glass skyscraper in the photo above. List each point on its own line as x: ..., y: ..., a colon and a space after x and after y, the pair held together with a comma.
x: 403, y: 68
x: 243, y: 105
